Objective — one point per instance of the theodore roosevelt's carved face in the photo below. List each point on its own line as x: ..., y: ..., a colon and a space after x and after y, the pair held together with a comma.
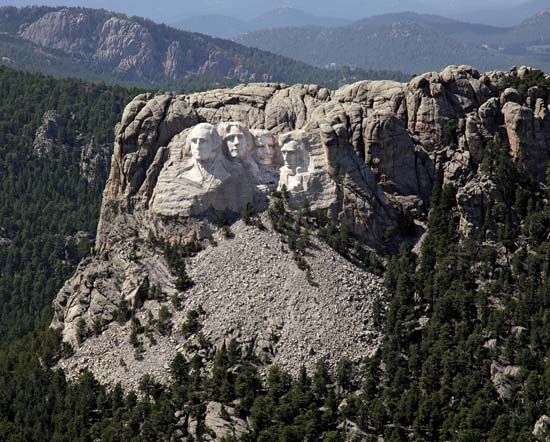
x: 236, y: 142
x: 266, y: 149
x: 204, y: 142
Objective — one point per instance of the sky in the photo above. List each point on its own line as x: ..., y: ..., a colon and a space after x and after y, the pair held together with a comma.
x: 171, y: 10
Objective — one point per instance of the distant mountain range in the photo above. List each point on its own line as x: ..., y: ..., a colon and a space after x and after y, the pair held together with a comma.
x: 503, y: 16
x: 101, y: 45
x: 411, y: 42
x: 495, y: 12
x: 105, y: 46
x: 225, y: 26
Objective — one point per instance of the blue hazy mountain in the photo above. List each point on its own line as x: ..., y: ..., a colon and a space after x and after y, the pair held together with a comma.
x: 171, y: 10
x: 225, y: 26
x: 411, y: 42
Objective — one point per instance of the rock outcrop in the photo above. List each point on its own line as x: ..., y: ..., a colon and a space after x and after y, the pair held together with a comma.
x: 46, y: 141
x: 122, y: 46
x: 50, y: 142
x: 366, y: 156
x: 94, y: 162
x: 541, y: 429
x: 111, y: 46
x: 5, y: 243
x: 250, y: 290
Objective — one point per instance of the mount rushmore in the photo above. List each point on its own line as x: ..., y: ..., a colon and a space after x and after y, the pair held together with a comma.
x: 366, y: 155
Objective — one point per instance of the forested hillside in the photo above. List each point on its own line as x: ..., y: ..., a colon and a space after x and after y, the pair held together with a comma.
x: 97, y: 44
x: 411, y: 43
x: 45, y: 200
x: 465, y: 354
x: 455, y: 311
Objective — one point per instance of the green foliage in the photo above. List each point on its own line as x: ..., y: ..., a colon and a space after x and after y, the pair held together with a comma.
x: 382, y: 44
x: 164, y: 320
x: 184, y: 282
x: 44, y: 200
x: 451, y: 132
x: 248, y: 214
x: 175, y: 256
x: 176, y: 301
x: 227, y: 232
x: 135, y: 330
x: 191, y: 324
x: 123, y: 313
x: 433, y: 373
x: 534, y: 78
x: 81, y: 330
x: 431, y: 379
x: 294, y: 230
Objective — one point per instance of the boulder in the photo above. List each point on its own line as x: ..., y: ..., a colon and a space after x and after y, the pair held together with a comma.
x: 541, y: 429
x: 510, y: 95
x: 502, y: 377
x: 220, y: 423
x: 528, y: 136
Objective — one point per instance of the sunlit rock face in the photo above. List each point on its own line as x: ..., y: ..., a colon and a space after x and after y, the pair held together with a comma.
x: 221, y: 169
x: 366, y: 155
x: 237, y: 140
x: 159, y: 187
x: 200, y: 176
x: 267, y: 155
x: 179, y: 171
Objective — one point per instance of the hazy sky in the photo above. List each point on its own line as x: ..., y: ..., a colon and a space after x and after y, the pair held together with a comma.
x: 171, y: 10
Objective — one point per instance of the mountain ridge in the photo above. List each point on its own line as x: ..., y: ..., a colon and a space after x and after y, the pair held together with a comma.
x: 130, y: 49
x: 375, y: 40
x: 225, y: 26
x: 454, y: 345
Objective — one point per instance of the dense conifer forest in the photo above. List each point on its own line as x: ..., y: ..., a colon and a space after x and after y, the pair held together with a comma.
x: 455, y: 311
x: 44, y: 199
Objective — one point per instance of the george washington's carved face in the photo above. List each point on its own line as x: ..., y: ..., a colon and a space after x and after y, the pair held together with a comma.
x: 204, y: 142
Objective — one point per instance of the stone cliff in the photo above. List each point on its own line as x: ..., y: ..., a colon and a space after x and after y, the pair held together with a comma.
x: 365, y: 156
x: 99, y: 44
x: 94, y: 157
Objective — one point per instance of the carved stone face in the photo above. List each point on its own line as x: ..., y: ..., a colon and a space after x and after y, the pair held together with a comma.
x: 291, y: 155
x: 236, y: 143
x: 203, y: 142
x: 266, y: 150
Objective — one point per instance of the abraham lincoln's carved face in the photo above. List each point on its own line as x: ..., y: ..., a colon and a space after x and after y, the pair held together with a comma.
x: 291, y: 155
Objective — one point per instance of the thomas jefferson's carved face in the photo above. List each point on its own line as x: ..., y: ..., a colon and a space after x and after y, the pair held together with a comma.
x: 236, y: 142
x: 202, y: 142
